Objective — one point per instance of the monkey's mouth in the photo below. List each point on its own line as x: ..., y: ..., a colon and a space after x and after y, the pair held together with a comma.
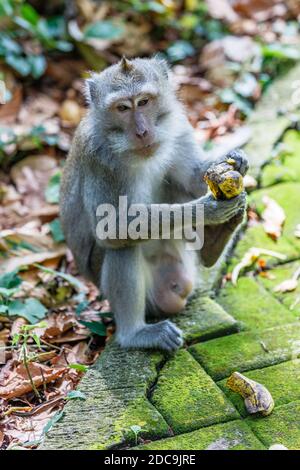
x: 147, y: 150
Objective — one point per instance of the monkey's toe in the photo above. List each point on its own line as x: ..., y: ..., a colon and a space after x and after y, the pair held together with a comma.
x: 170, y: 336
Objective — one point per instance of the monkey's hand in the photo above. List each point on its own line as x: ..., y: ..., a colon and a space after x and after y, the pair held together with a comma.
x: 241, y: 161
x: 218, y: 212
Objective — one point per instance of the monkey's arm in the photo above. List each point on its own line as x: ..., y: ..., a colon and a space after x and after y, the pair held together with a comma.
x: 216, y: 239
x: 215, y: 213
x: 190, y: 164
x: 186, y: 176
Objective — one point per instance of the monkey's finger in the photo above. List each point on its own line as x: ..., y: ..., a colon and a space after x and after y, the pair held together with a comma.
x: 242, y: 163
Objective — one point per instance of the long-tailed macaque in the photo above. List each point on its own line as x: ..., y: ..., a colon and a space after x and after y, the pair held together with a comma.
x: 136, y: 141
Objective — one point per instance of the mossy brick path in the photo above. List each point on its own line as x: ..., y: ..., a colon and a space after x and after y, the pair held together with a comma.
x: 181, y: 401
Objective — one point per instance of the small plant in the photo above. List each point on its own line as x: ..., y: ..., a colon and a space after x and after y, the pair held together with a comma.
x: 21, y: 339
x: 136, y: 431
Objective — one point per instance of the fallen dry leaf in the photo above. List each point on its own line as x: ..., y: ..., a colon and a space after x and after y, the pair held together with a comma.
x: 222, y: 9
x: 31, y: 176
x: 23, y: 429
x: 251, y: 257
x: 273, y: 218
x: 70, y: 113
x: 19, y: 261
x: 297, y: 231
x: 289, y: 285
x: 16, y: 382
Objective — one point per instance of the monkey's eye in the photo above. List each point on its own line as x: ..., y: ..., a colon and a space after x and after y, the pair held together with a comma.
x: 143, y: 102
x: 122, y: 108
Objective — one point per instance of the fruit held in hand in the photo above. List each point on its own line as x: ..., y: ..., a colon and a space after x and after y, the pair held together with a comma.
x: 223, y: 181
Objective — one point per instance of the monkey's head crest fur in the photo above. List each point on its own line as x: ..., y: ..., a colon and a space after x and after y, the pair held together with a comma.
x: 127, y: 73
x: 126, y: 65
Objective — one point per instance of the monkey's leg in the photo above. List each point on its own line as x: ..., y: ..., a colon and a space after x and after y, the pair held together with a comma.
x: 216, y: 238
x: 123, y: 281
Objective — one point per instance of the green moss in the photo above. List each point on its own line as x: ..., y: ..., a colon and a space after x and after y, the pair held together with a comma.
x: 282, y: 381
x: 276, y: 276
x: 281, y: 427
x: 140, y: 412
x: 248, y: 350
x: 287, y: 166
x: 256, y: 237
x: 287, y: 196
x: 234, y: 435
x: 187, y: 397
x: 259, y: 311
x: 203, y: 319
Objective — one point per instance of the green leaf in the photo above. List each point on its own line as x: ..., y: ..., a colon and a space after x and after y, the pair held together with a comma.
x: 36, y: 339
x: 81, y: 307
x: 76, y: 394
x: 9, y: 45
x: 38, y: 65
x: 56, y: 230
x: 95, y: 327
x: 52, y: 421
x: 64, y: 46
x: 79, y: 286
x: 79, y: 367
x: 228, y: 96
x: 281, y: 52
x: 135, y: 428
x: 20, y: 64
x: 7, y: 292
x: 180, y: 50
x: 16, y: 339
x: 29, y: 14
x: 103, y: 30
x: 52, y: 190
x: 6, y: 8
x: 156, y: 7
x: 32, y: 309
x: 10, y: 280
x: 3, y: 308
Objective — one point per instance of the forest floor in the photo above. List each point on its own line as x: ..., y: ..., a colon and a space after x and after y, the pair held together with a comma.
x: 251, y: 325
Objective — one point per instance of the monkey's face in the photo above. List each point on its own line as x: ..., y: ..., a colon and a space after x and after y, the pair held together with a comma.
x: 134, y: 123
x: 133, y: 98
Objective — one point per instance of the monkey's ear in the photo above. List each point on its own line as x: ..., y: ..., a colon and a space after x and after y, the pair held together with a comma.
x: 162, y: 65
x: 90, y: 90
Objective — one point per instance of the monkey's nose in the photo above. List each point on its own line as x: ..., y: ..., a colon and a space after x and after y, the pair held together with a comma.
x: 141, y: 134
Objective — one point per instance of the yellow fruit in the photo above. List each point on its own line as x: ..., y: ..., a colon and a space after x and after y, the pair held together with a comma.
x: 223, y: 181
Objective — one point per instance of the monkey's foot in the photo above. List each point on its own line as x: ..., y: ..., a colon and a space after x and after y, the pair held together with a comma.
x: 163, y: 335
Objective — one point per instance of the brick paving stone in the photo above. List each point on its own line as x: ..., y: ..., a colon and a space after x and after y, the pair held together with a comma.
x: 291, y: 300
x: 253, y: 306
x: 203, y: 319
x: 248, y: 350
x: 234, y: 435
x: 281, y: 427
x: 116, y: 399
x: 187, y: 397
